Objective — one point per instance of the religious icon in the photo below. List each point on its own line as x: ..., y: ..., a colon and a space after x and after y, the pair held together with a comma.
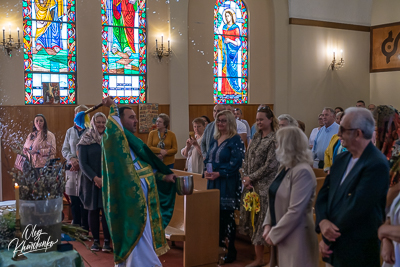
x: 124, y: 50
x: 51, y: 93
x: 229, y: 43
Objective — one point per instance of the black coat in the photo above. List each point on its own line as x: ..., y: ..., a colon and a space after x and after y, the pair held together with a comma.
x: 90, y: 164
x: 357, y: 208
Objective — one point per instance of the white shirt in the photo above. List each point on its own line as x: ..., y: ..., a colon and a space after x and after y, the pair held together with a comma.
x: 350, y: 166
x: 241, y: 127
x: 313, y: 134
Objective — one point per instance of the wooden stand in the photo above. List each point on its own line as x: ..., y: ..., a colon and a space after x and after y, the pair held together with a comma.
x: 195, y: 221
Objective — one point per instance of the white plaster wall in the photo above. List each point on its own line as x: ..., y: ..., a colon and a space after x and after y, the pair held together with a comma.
x: 342, y: 11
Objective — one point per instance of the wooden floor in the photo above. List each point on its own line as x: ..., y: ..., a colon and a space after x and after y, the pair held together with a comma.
x: 173, y: 258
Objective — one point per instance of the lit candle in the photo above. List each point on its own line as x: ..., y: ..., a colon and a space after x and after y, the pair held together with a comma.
x: 4, y: 35
x: 9, y: 28
x: 162, y: 41
x: 169, y: 46
x: 17, y: 200
x: 18, y: 34
x: 333, y: 54
x: 341, y: 53
x: 156, y: 45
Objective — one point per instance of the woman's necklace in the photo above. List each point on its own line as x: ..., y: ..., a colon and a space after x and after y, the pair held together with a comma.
x: 161, y: 144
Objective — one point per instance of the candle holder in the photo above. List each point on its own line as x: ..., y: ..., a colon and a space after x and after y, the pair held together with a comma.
x: 8, y: 44
x: 19, y: 256
x: 162, y: 52
x: 336, y: 65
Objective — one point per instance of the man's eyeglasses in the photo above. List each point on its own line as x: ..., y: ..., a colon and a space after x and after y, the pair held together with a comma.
x: 343, y: 130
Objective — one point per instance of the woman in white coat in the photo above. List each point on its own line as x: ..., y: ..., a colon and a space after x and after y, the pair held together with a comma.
x: 289, y: 224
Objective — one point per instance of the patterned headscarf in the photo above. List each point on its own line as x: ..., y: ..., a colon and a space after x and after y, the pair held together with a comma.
x: 92, y: 136
x: 388, y: 128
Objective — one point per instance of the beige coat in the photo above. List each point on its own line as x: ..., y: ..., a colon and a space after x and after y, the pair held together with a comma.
x: 294, y: 236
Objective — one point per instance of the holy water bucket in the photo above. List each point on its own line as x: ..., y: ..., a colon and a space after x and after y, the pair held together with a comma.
x: 41, y: 223
x: 184, y: 185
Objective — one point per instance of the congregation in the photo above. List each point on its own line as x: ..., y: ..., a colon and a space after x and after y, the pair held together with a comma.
x: 356, y: 211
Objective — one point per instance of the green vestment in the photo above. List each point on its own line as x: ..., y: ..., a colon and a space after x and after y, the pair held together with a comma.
x: 124, y: 203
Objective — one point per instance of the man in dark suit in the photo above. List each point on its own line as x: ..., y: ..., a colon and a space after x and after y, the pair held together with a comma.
x: 350, y: 206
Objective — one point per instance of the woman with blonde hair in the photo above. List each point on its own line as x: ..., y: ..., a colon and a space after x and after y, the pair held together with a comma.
x: 259, y: 170
x: 223, y: 162
x: 289, y: 224
x: 90, y: 192
x: 192, y: 150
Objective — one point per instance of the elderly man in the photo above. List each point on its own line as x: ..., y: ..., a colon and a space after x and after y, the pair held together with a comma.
x: 241, y: 127
x: 350, y: 206
x: 238, y: 115
x: 287, y: 120
x: 324, y: 136
x: 371, y: 107
x: 209, y: 131
x: 360, y: 104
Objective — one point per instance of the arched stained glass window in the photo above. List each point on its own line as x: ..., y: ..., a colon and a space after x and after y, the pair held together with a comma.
x: 49, y: 51
x: 124, y: 50
x: 230, y: 52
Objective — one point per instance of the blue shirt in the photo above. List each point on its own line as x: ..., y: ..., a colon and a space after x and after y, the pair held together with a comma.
x: 322, y: 140
x: 253, y: 130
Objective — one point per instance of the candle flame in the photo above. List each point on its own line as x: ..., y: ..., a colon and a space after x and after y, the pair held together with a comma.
x: 16, y: 185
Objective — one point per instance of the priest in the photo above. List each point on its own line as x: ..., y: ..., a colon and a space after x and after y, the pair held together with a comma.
x: 138, y: 192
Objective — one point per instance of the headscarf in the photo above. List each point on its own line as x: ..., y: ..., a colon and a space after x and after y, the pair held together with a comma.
x: 92, y: 135
x: 388, y: 128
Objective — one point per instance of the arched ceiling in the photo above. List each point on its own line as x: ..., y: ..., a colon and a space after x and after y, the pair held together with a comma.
x: 342, y: 11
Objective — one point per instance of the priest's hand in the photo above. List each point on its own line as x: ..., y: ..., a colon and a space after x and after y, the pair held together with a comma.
x: 329, y: 230
x: 98, y: 181
x: 108, y: 102
x: 170, y: 178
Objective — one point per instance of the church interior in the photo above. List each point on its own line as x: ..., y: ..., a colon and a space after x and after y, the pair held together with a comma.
x: 291, y: 45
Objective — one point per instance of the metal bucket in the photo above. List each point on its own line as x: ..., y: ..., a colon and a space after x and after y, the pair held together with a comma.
x: 184, y: 185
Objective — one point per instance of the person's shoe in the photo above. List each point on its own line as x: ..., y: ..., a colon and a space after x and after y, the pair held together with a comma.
x: 230, y: 257
x: 106, y: 246
x: 95, y: 246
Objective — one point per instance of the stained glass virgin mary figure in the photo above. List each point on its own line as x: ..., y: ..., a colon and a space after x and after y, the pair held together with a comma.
x: 230, y: 52
x: 230, y: 45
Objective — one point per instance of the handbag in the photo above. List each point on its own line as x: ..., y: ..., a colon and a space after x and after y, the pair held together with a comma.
x: 19, y: 162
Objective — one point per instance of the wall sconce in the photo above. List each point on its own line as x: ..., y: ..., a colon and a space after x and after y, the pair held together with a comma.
x: 337, y: 65
x: 160, y: 52
x: 8, y: 43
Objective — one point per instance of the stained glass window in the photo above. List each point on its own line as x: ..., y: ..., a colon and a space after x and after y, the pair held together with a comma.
x: 124, y: 50
x: 230, y: 52
x: 49, y: 51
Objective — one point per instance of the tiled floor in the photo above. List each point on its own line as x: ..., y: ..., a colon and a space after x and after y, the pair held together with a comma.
x: 173, y: 258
